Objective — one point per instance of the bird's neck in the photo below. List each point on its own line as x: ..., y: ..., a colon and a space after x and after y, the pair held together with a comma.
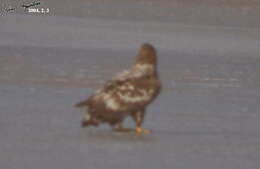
x: 146, y: 68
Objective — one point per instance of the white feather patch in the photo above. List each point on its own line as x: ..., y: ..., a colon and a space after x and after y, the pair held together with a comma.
x: 87, y: 117
x: 122, y: 88
x: 110, y: 102
x: 130, y: 87
x: 133, y: 99
x: 144, y: 67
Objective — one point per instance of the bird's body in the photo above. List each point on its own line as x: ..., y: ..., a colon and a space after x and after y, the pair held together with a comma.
x: 127, y: 94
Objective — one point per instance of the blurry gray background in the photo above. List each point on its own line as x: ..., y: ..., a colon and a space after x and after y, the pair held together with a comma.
x: 207, y: 115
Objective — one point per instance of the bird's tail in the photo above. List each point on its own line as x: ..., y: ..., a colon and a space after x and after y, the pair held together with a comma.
x: 82, y: 103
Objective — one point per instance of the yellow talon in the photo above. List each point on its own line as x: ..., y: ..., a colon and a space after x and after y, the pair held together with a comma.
x: 139, y: 130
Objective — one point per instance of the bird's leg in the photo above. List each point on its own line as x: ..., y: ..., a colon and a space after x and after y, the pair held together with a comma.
x: 138, y: 117
x: 119, y: 128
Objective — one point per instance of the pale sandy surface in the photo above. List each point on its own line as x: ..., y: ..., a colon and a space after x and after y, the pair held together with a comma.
x: 206, y: 117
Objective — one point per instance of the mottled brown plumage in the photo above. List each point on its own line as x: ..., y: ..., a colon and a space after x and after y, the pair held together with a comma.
x: 127, y: 94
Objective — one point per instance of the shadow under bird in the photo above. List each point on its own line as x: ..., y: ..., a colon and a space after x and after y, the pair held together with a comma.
x: 127, y: 94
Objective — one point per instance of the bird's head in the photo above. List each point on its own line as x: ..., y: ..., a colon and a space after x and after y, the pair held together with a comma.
x: 147, y: 55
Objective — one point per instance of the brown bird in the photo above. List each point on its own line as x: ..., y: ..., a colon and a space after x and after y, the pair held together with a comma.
x: 127, y: 94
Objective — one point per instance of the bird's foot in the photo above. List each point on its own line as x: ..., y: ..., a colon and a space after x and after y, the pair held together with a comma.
x: 140, y: 130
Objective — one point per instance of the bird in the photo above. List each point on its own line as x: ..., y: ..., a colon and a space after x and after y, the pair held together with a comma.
x: 128, y: 93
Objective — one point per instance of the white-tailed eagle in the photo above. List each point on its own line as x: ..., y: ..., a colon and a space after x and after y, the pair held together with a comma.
x: 127, y: 94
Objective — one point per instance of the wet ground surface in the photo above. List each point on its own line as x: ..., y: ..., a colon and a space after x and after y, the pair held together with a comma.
x: 206, y: 117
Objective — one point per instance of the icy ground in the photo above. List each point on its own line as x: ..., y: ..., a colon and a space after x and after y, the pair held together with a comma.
x: 206, y: 117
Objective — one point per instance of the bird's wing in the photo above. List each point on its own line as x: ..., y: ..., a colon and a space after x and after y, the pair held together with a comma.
x: 118, y: 79
x: 135, y: 92
x: 110, y: 85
